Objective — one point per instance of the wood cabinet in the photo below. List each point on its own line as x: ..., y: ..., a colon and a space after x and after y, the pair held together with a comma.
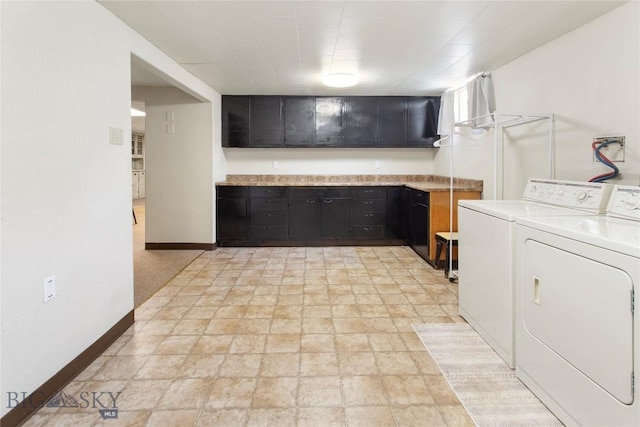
x: 236, y: 125
x: 361, y: 121
x: 231, y: 216
x: 325, y: 121
x: 422, y: 121
x: 266, y: 121
x: 392, y: 215
x: 300, y: 121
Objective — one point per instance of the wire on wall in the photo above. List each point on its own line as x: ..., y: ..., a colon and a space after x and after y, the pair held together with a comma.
x: 597, y: 146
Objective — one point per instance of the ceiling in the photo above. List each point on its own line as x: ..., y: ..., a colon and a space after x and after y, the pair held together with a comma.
x: 394, y: 47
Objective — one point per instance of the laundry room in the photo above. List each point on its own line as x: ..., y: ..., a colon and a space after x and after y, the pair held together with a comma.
x: 401, y: 213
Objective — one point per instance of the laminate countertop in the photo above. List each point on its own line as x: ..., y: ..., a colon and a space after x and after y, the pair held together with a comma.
x: 429, y: 183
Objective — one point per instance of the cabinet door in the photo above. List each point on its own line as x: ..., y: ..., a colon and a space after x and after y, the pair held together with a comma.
x: 329, y: 121
x: 232, y: 219
x: 304, y: 218
x: 300, y: 121
x: 397, y: 213
x: 335, y: 218
x: 141, y: 185
x: 134, y: 185
x: 419, y: 234
x: 361, y: 121
x: 236, y: 121
x: 266, y: 121
x: 422, y: 121
x: 392, y: 130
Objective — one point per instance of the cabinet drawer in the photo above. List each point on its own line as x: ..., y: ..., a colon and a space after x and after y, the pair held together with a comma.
x: 305, y: 193
x: 274, y: 192
x: 368, y: 218
x: 268, y: 232
x: 267, y: 205
x: 420, y: 197
x: 369, y: 193
x: 336, y: 193
x: 368, y: 231
x: 230, y: 192
x: 268, y: 218
x: 370, y: 205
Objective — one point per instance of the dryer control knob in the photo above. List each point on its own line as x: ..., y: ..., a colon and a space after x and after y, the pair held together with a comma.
x: 632, y: 203
x: 581, y: 195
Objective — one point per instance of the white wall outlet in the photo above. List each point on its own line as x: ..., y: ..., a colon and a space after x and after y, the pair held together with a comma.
x: 116, y: 136
x: 377, y: 164
x: 49, y: 288
x: 276, y: 165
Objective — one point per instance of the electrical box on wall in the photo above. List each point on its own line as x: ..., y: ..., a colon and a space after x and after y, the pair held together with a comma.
x: 613, y: 148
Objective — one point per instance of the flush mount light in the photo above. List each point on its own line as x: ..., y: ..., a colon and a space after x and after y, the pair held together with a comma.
x: 137, y: 113
x: 340, y: 80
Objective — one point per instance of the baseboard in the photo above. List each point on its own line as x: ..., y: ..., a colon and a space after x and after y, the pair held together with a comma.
x: 46, y: 391
x: 181, y: 246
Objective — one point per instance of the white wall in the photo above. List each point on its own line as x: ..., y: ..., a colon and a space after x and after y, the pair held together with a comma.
x: 589, y: 79
x: 328, y: 161
x: 179, y: 175
x: 66, y: 192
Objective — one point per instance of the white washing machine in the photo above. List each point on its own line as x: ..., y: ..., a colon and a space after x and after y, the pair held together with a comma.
x: 486, y: 251
x: 576, y: 331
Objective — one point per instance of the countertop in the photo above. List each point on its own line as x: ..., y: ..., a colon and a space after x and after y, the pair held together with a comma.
x: 430, y: 183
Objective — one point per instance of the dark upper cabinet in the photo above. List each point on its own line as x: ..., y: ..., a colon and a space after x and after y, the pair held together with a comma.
x: 308, y: 121
x: 236, y: 121
x: 392, y: 120
x: 329, y: 121
x: 300, y: 121
x: 361, y: 121
x: 422, y: 121
x: 266, y: 121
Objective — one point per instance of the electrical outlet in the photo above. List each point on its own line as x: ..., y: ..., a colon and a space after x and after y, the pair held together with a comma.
x: 614, y: 151
x: 276, y: 165
x: 377, y: 164
x: 49, y: 289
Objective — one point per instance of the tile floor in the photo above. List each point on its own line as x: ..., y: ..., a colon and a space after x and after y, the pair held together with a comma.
x: 278, y: 337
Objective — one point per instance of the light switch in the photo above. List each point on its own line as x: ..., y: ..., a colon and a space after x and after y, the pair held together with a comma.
x: 116, y: 136
x: 49, y: 288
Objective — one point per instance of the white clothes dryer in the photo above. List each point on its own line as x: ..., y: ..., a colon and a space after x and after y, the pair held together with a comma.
x: 486, y: 251
x: 577, y: 333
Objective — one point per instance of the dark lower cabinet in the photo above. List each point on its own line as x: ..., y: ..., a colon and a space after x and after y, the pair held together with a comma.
x: 305, y: 214
x: 397, y: 212
x: 231, y: 215
x: 418, y: 233
x: 335, y: 218
x: 267, y: 214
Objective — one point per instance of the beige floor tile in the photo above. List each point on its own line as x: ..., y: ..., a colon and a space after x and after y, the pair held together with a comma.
x: 418, y: 416
x: 321, y: 417
x: 357, y: 363
x: 222, y: 326
x: 318, y: 364
x: 407, y: 390
x: 208, y: 344
x: 277, y: 392
x: 269, y: 417
x: 254, y: 326
x: 231, y: 393
x: 161, y: 367
x: 456, y: 416
x: 190, y: 327
x: 352, y: 342
x: 222, y: 417
x: 142, y: 394
x: 396, y: 363
x: 286, y: 326
x: 241, y: 365
x: 317, y: 325
x: 440, y: 390
x: 120, y: 367
x: 186, y: 393
x: 283, y: 343
x: 386, y: 342
x: 348, y: 326
x: 248, y: 344
x: 368, y: 416
x: 363, y: 390
x: 379, y: 325
x: 172, y: 418
x: 201, y: 366
x: 280, y: 365
x: 320, y: 391
x: 317, y: 343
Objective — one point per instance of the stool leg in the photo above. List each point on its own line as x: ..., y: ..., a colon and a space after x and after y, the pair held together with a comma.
x: 135, y: 221
x: 446, y: 260
x: 438, y: 252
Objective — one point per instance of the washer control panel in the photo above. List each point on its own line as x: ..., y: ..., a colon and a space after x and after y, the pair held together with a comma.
x: 625, y: 202
x: 587, y: 196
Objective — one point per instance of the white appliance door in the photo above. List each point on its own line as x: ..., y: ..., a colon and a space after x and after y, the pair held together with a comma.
x: 580, y: 308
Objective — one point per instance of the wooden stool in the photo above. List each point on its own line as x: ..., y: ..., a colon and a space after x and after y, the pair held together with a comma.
x: 443, y: 240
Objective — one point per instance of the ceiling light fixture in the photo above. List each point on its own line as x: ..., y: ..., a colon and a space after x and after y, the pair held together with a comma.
x: 137, y: 113
x: 340, y: 80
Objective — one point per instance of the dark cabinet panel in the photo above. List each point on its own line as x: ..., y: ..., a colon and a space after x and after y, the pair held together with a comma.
x: 231, y: 209
x: 300, y: 121
x: 329, y: 121
x: 397, y: 212
x: 267, y: 214
x: 236, y: 121
x: 335, y: 218
x: 392, y: 129
x: 422, y: 121
x: 266, y: 121
x: 419, y: 223
x: 304, y: 218
x: 361, y: 121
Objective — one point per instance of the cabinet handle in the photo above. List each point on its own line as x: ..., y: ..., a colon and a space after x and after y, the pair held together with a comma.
x: 368, y: 214
x: 368, y: 202
x: 267, y: 214
x: 328, y: 201
x: 311, y: 201
x: 368, y: 191
x: 366, y: 228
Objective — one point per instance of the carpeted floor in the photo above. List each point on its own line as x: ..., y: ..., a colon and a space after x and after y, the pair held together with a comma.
x: 153, y: 269
x: 488, y: 389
